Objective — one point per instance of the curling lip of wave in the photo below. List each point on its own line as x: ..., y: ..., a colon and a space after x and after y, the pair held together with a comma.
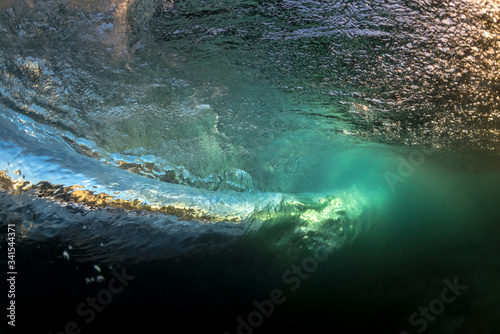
x: 39, y: 165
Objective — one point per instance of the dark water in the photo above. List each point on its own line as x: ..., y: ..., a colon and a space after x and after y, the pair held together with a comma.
x: 250, y: 166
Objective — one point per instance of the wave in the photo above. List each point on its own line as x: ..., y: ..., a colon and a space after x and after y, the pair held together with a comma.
x: 206, y: 123
x: 53, y: 191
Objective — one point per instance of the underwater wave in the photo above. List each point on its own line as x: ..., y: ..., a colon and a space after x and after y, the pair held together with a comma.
x: 53, y: 191
x: 229, y: 117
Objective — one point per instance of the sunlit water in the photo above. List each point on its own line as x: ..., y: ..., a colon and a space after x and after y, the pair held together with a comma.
x: 210, y: 145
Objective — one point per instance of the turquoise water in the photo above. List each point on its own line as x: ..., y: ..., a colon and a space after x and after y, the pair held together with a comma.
x: 209, y: 146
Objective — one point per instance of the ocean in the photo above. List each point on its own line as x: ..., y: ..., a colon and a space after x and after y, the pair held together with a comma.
x: 249, y: 166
